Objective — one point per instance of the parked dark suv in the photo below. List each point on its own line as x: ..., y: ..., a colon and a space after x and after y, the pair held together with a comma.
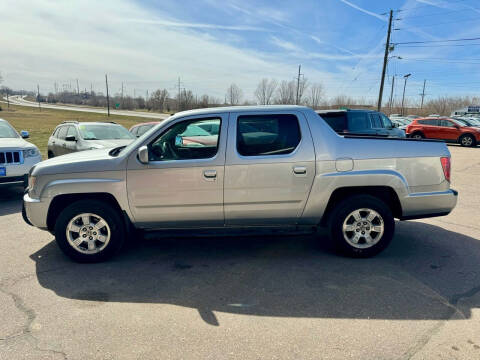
x: 360, y: 122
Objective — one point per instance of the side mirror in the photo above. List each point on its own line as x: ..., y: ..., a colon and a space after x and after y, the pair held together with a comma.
x: 71, y: 138
x: 142, y: 154
x: 24, y: 134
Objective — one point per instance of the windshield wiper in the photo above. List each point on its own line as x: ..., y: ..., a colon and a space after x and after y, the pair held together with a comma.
x: 116, y: 151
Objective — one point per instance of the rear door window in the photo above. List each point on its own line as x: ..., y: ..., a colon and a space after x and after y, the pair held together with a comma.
x: 376, y: 121
x: 260, y: 135
x: 358, y: 121
x: 62, y: 133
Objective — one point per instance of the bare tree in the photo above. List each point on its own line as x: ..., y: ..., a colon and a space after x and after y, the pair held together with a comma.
x: 157, y: 100
x: 316, y: 93
x: 234, y: 94
x: 286, y: 92
x: 265, y: 90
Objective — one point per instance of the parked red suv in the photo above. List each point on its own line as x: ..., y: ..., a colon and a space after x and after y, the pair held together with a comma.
x: 446, y: 129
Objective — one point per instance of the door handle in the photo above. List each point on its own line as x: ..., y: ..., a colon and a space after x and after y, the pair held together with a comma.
x: 300, y: 170
x: 210, y: 174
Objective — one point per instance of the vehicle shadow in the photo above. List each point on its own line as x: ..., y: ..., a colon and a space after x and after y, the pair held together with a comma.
x: 426, y: 273
x: 10, y: 199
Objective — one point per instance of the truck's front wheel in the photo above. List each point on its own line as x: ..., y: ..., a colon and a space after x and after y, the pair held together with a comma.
x: 361, y: 226
x: 89, y: 231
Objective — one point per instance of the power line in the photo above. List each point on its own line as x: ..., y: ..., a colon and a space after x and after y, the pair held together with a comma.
x: 442, y: 23
x: 436, y: 41
x: 440, y: 45
x: 437, y: 14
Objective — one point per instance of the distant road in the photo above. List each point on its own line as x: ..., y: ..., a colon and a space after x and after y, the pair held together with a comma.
x: 19, y: 100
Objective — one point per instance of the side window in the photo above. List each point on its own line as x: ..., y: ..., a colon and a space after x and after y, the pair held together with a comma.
x: 446, y: 123
x: 134, y: 131
x: 71, y: 131
x: 358, y: 121
x: 62, y: 132
x: 386, y: 121
x: 259, y: 135
x: 376, y: 122
x: 186, y: 140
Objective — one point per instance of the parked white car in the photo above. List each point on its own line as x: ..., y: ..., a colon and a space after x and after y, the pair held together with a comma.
x: 17, y: 156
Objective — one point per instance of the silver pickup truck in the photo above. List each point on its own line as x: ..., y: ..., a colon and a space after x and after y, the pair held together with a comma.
x: 239, y: 168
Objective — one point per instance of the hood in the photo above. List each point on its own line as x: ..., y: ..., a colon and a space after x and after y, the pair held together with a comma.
x: 82, y: 161
x: 109, y: 143
x: 15, y: 143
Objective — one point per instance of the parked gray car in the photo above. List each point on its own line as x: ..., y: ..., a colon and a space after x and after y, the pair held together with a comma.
x: 273, y: 166
x: 73, y: 136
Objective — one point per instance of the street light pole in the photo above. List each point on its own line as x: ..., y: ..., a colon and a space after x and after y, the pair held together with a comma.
x: 404, y: 86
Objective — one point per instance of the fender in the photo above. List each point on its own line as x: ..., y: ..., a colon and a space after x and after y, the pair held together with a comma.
x: 325, y: 184
x: 112, y: 186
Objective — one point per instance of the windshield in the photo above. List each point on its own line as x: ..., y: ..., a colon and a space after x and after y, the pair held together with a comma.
x: 104, y: 132
x: 6, y: 131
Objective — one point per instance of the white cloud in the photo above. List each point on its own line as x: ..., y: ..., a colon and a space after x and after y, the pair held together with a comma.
x: 365, y: 11
x: 50, y: 41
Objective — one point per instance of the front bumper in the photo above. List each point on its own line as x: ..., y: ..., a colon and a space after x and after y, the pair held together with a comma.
x: 35, y: 211
x: 423, y: 205
x: 14, y: 180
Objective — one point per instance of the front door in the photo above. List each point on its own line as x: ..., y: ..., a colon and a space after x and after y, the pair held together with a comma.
x: 182, y: 185
x: 269, y: 168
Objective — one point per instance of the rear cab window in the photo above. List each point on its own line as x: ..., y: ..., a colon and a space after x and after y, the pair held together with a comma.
x: 336, y: 120
x: 264, y: 135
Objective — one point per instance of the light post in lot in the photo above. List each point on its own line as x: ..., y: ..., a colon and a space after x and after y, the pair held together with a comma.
x: 404, y: 86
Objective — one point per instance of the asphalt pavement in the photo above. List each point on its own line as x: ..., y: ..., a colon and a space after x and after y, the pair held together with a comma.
x: 269, y: 297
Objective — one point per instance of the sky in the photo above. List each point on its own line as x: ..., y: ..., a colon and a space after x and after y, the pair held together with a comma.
x: 209, y: 44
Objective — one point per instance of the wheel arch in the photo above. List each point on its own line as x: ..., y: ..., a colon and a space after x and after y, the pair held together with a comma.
x: 385, y: 193
x: 61, y: 201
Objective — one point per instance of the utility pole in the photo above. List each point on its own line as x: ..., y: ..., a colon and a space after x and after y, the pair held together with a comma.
x: 122, y: 90
x: 78, y: 88
x: 423, y: 94
x: 297, y: 100
x: 391, y: 94
x: 108, y: 99
x: 404, y: 86
x: 385, y: 60
x: 38, y: 97
x: 8, y: 101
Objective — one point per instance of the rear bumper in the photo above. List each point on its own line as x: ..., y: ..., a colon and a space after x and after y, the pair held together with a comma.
x: 423, y: 205
x: 35, y: 212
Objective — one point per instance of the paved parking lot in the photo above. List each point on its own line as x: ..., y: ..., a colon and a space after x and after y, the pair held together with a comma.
x: 255, y: 298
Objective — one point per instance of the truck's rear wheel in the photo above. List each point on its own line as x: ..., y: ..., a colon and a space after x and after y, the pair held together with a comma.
x: 361, y: 226
x: 89, y: 231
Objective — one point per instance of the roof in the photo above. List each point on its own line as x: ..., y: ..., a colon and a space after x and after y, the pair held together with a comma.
x: 146, y: 123
x: 326, y: 111
x: 240, y: 109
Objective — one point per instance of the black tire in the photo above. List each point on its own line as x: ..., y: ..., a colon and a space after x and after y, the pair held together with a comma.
x: 417, y: 135
x: 467, y: 140
x: 50, y: 155
x: 342, y: 213
x: 109, y: 214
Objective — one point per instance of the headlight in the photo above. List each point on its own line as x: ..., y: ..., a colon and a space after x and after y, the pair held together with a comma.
x: 30, y: 152
x: 31, y: 184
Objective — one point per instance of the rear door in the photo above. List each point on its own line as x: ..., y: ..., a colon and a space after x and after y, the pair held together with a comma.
x: 377, y: 124
x: 60, y: 143
x: 269, y: 168
x: 448, y: 130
